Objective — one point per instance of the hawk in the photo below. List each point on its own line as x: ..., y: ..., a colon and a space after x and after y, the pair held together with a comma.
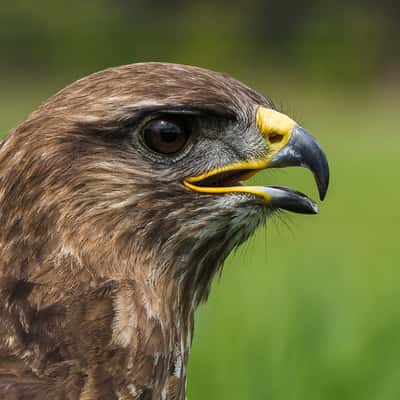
x: 120, y: 198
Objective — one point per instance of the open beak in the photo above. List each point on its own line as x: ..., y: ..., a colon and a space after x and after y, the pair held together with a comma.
x: 288, y: 145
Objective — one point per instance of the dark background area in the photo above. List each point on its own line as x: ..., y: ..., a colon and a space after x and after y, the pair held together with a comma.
x: 320, y: 39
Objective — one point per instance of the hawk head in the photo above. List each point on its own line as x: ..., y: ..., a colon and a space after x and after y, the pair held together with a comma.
x: 120, y: 198
x: 140, y: 169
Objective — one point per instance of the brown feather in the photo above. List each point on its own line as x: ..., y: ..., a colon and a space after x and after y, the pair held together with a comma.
x: 104, y: 255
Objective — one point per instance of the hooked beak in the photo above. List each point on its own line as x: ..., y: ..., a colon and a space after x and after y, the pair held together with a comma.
x: 288, y: 145
x: 304, y: 151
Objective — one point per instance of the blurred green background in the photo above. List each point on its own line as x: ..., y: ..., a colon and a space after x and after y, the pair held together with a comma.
x: 309, y: 307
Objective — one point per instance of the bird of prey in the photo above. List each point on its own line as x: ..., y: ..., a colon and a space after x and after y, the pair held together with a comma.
x: 120, y: 198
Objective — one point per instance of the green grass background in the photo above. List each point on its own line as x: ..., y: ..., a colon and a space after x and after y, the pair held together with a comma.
x: 309, y: 307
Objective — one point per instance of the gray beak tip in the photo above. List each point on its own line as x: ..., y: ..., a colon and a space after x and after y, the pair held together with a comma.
x: 323, y: 179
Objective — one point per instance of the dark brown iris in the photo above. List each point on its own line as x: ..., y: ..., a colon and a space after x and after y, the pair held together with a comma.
x: 165, y: 135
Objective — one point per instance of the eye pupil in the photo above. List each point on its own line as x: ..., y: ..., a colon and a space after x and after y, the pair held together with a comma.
x: 168, y: 136
x: 165, y: 135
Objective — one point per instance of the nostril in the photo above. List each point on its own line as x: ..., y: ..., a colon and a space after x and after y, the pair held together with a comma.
x: 275, y: 138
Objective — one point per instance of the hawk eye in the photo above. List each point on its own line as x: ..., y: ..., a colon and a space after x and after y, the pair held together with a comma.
x: 165, y: 135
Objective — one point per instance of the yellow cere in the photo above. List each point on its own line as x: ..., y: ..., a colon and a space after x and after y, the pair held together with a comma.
x: 275, y: 127
x: 270, y: 121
